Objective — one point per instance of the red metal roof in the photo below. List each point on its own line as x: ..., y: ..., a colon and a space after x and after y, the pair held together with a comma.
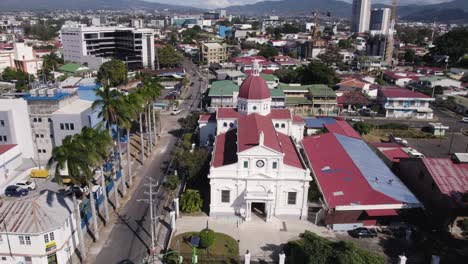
x: 255, y: 88
x: 248, y: 60
x: 226, y: 112
x: 401, y: 93
x: 340, y: 180
x: 298, y: 119
x: 451, y: 178
x: 225, y: 149
x: 280, y: 114
x: 207, y: 118
x: 249, y: 128
x: 5, y: 148
x: 395, y: 154
x: 382, y: 212
x: 352, y: 83
x: 291, y: 157
x: 343, y: 128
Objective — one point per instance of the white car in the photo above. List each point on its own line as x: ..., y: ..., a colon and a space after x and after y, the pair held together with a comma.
x: 26, y: 185
x: 176, y: 111
x: 465, y: 119
x: 357, y: 119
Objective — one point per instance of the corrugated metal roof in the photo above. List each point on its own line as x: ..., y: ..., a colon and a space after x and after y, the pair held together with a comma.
x: 314, y: 122
x: 451, y: 178
x: 35, y: 214
x: 376, y: 173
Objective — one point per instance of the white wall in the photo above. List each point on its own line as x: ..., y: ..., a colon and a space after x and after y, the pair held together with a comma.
x: 9, y: 161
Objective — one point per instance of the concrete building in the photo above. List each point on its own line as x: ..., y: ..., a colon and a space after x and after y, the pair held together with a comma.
x: 22, y: 58
x: 70, y: 119
x: 404, y: 103
x: 42, y: 103
x: 380, y: 21
x: 38, y: 229
x: 10, y: 159
x: 256, y: 170
x: 95, y: 45
x: 361, y: 13
x: 213, y: 53
x: 15, y: 126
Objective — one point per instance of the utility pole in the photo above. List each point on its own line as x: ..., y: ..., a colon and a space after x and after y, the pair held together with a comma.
x: 150, y: 201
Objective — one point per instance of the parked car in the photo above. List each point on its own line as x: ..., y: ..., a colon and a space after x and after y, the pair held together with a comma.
x: 14, y: 190
x: 176, y: 111
x: 76, y: 190
x: 357, y: 119
x: 361, y: 232
x: 465, y: 119
x: 170, y: 97
x: 26, y: 185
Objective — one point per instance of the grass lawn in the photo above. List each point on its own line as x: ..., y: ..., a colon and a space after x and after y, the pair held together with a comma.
x: 224, y: 250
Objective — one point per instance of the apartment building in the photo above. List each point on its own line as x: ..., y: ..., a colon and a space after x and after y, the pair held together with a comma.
x: 380, y: 21
x: 95, y: 45
x: 213, y: 53
x: 404, y: 103
x: 20, y: 57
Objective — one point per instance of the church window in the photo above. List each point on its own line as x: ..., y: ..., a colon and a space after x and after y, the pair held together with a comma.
x: 274, y: 165
x: 292, y: 198
x: 225, y: 196
x: 224, y: 124
x: 283, y: 125
x: 254, y: 107
x: 276, y: 125
x: 231, y: 124
x: 246, y: 164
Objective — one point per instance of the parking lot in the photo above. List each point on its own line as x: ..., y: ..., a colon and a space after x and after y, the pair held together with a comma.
x: 440, y: 148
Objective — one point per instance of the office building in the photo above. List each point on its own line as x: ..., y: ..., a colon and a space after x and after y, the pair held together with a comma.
x: 95, y: 45
x: 380, y: 21
x: 361, y: 16
x: 213, y: 53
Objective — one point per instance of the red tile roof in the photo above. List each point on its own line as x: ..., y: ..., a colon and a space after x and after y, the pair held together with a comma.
x: 382, y: 212
x: 352, y: 83
x: 451, y: 178
x: 5, y: 148
x: 248, y: 60
x: 254, y: 87
x: 343, y: 128
x: 249, y: 128
x: 291, y: 157
x: 280, y: 114
x: 340, y: 180
x: 207, y: 118
x: 298, y: 119
x: 401, y: 93
x: 225, y: 149
x: 225, y: 112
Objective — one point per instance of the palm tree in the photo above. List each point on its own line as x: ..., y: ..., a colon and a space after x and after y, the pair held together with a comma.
x: 67, y: 157
x: 132, y: 103
x: 110, y: 101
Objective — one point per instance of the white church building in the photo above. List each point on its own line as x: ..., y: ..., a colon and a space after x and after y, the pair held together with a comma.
x: 256, y: 169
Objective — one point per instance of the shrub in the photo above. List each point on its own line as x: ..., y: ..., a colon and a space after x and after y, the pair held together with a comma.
x: 207, y: 238
x: 363, y: 128
x: 172, y: 258
x: 394, y: 126
x: 171, y: 183
x: 190, y: 201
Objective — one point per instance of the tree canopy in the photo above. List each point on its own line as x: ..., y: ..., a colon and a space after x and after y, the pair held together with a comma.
x: 268, y: 51
x: 317, y: 73
x: 20, y: 78
x: 453, y: 44
x: 113, y: 73
x: 312, y: 249
x: 168, y: 57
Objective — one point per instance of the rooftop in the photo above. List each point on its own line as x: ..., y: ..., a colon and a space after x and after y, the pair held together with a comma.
x: 72, y: 68
x: 75, y: 107
x: 402, y: 93
x: 223, y: 88
x: 321, y: 90
x: 6, y: 147
x: 35, y: 214
x: 357, y: 178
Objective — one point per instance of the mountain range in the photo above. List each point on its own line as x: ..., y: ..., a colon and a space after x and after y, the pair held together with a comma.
x: 21, y: 5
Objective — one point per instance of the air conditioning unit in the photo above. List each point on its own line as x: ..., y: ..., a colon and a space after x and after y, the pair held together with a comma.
x: 42, y: 92
x: 33, y: 92
x: 51, y: 92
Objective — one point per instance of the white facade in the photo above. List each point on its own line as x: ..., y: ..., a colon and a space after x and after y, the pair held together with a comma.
x: 21, y: 57
x: 52, y: 237
x: 95, y: 45
x: 15, y: 127
x: 9, y: 161
x: 69, y: 120
x: 361, y: 16
x: 408, y: 108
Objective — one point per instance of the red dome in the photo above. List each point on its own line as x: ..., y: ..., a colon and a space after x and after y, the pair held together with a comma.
x: 254, y: 87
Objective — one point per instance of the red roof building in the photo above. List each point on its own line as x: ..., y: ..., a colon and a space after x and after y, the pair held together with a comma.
x: 254, y: 88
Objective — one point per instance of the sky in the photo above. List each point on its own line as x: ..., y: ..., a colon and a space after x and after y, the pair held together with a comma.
x: 224, y: 3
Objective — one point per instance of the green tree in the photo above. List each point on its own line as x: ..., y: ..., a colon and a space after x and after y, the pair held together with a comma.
x: 50, y: 63
x: 207, y: 238
x: 169, y: 57
x: 409, y: 56
x: 363, y: 128
x: 317, y: 73
x: 268, y: 51
x: 190, y: 201
x: 345, y: 43
x: 331, y: 57
x: 113, y: 73
x: 453, y: 44
x: 21, y: 79
x: 287, y: 75
x: 171, y: 182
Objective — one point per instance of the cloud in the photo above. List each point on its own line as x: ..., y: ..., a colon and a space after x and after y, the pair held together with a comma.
x: 225, y: 3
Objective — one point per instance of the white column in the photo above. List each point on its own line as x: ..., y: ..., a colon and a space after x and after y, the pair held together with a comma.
x: 305, y: 203
x: 402, y: 259
x: 176, y: 206
x: 282, y: 258
x: 248, y: 211
x: 268, y: 208
x: 247, y: 257
x: 173, y: 220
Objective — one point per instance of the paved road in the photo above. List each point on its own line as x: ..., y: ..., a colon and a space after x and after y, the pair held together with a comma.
x: 130, y: 238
